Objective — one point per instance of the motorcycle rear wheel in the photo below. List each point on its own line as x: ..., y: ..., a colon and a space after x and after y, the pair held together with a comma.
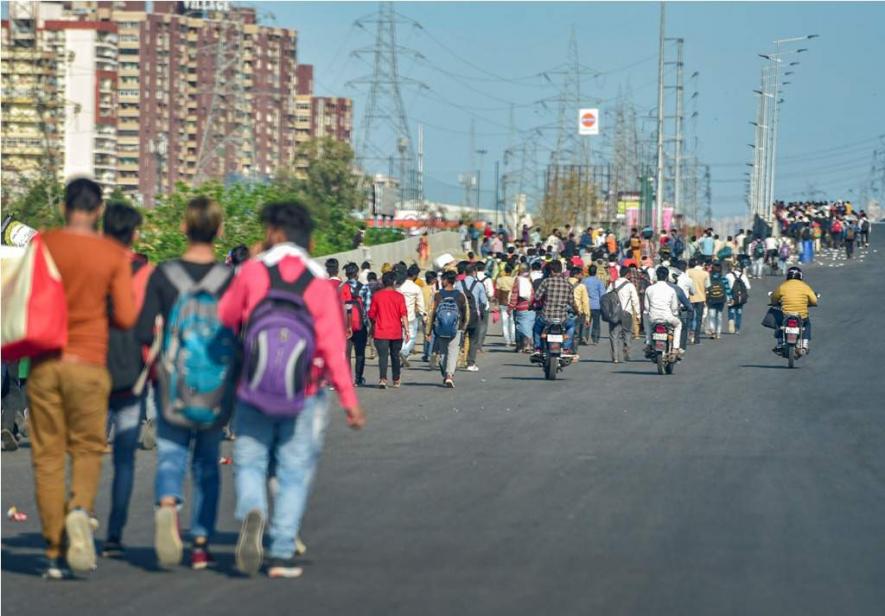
x: 550, y: 368
x: 661, y: 363
x: 791, y: 355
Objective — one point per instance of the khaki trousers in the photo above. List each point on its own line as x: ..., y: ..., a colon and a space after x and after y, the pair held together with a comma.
x: 68, y: 410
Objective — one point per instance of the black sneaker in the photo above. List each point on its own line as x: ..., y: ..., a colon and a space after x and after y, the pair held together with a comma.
x: 284, y: 568
x: 56, y: 569
x: 250, y: 552
x: 112, y: 548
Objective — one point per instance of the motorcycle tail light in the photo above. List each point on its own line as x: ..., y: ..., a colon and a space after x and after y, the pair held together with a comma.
x: 660, y: 329
x: 792, y: 323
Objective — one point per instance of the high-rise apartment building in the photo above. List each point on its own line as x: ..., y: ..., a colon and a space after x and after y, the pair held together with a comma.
x: 58, y: 99
x: 187, y: 92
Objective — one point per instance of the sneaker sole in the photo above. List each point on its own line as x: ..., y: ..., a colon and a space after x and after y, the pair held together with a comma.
x: 285, y: 572
x: 81, y: 545
x: 167, y: 542
x: 250, y: 553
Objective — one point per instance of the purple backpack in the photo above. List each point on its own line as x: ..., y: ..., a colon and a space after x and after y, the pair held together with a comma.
x: 278, y: 347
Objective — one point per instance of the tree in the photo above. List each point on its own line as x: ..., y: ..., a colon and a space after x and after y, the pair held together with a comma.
x: 36, y: 206
x: 332, y: 192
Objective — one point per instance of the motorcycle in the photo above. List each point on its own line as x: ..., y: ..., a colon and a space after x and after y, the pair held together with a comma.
x: 551, y: 358
x: 792, y: 331
x: 662, y: 352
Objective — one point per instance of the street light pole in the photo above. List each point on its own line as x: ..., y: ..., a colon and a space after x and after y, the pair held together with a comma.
x: 659, y: 178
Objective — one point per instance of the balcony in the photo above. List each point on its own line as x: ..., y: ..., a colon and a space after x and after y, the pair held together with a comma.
x: 127, y: 124
x: 128, y: 112
x: 129, y: 182
x: 129, y: 43
x: 127, y: 166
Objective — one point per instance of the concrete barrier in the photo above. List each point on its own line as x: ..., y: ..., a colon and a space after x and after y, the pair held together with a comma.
x: 404, y: 250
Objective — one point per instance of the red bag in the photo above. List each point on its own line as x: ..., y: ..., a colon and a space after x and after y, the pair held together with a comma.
x: 35, y: 311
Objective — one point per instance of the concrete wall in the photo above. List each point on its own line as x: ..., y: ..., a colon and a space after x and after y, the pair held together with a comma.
x: 404, y: 250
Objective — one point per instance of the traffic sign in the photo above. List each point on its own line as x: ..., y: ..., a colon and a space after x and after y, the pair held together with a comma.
x: 588, y: 122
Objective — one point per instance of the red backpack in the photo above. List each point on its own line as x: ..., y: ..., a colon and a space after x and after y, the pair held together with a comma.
x: 350, y: 296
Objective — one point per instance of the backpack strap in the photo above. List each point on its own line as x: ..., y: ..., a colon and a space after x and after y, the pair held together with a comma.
x: 178, y: 276
x: 214, y: 279
x: 299, y: 286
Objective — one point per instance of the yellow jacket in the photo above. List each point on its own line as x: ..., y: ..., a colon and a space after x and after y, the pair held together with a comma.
x: 794, y: 296
x: 582, y: 298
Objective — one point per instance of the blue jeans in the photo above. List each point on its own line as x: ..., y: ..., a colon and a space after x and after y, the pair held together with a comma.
x: 570, y: 324
x: 714, y: 313
x: 125, y: 416
x: 697, y: 320
x: 536, y: 331
x: 173, y: 447
x: 736, y: 313
x: 296, y: 444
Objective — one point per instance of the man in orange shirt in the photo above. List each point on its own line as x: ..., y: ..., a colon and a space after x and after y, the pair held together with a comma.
x: 68, y: 390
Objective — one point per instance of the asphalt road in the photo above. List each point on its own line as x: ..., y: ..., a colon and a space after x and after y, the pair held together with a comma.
x: 735, y: 486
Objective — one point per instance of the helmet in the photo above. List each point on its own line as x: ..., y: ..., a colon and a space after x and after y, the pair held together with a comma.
x: 794, y: 273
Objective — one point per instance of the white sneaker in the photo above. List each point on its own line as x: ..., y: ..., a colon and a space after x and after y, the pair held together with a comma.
x: 473, y: 368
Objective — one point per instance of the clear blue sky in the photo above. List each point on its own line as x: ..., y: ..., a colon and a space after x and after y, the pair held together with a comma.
x: 835, y: 98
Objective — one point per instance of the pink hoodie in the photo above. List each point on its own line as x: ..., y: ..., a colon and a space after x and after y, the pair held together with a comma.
x: 251, y: 285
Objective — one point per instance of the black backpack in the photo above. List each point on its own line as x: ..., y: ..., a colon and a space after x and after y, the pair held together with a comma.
x: 716, y: 293
x: 739, y: 294
x: 473, y: 317
x: 125, y: 360
x: 610, y: 305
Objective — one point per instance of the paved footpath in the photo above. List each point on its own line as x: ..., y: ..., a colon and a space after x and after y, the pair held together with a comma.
x: 735, y: 486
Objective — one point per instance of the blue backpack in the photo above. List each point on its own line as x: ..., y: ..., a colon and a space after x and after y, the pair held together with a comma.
x: 678, y: 246
x: 448, y: 317
x: 279, y: 343
x: 198, y: 359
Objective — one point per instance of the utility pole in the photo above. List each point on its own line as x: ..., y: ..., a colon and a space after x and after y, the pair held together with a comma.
x: 677, y: 192
x: 659, y: 176
x: 420, y: 179
x: 482, y: 153
x: 497, y: 196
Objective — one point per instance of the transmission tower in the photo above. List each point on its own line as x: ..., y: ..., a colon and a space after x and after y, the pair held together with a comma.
x: 385, y: 128
x: 568, y: 180
x: 228, y: 128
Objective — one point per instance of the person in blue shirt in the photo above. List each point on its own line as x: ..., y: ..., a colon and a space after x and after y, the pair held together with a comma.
x: 472, y: 286
x: 707, y: 245
x: 595, y: 289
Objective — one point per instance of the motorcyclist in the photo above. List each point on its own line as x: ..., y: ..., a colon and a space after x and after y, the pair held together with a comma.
x: 555, y: 296
x: 794, y: 296
x: 662, y: 304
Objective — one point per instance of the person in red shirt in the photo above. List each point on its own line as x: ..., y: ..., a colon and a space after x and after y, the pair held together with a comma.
x: 288, y: 439
x: 391, y: 324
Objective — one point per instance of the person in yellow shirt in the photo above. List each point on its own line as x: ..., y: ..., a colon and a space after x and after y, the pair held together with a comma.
x: 794, y: 296
x: 503, y: 287
x: 582, y: 301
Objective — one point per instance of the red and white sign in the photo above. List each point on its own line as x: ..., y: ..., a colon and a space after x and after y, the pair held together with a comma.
x: 588, y: 122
